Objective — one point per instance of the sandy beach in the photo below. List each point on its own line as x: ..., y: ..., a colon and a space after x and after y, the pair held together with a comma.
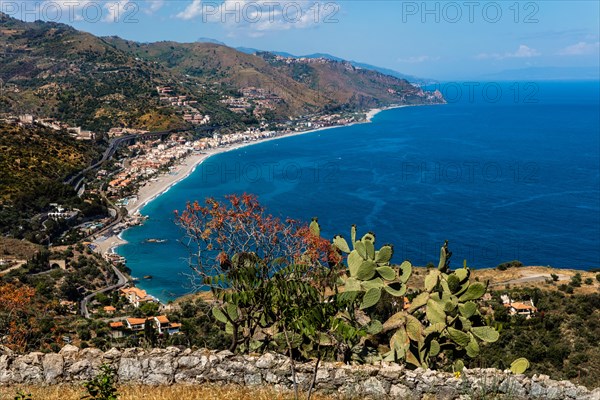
x: 155, y: 188
x: 161, y: 184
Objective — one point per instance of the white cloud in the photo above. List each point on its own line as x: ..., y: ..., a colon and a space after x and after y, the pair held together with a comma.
x: 522, y: 52
x: 417, y: 59
x: 580, y: 49
x: 154, y: 6
x: 258, y: 17
x: 193, y: 10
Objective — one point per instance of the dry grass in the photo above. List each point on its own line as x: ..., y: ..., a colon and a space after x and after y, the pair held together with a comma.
x: 177, y: 392
x: 536, y: 276
x: 531, y: 276
x: 17, y: 249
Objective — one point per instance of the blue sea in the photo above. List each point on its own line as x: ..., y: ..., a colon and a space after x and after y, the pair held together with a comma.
x: 505, y: 171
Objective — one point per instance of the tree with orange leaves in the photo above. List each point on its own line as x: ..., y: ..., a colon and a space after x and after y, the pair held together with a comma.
x: 236, y: 249
x: 276, y: 282
x: 15, y: 302
x: 218, y: 232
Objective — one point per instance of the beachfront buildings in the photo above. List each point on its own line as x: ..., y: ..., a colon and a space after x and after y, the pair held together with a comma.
x: 153, y: 157
x: 163, y: 325
x: 136, y: 296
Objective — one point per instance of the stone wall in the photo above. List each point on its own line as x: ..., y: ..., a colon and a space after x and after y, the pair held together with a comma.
x: 174, y: 366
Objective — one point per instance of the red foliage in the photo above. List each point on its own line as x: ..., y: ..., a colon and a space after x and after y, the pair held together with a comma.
x: 217, y: 231
x: 15, y: 313
x: 316, y: 249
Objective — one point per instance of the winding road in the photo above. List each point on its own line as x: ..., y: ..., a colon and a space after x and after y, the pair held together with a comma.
x: 77, y: 179
x: 122, y: 281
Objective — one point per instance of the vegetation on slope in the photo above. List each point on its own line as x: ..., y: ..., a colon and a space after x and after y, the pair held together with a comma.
x: 560, y: 341
x: 78, y: 78
x: 32, y: 317
x: 346, y: 85
x: 35, y: 158
x: 305, y: 87
x: 35, y: 161
x: 53, y: 70
x: 214, y: 64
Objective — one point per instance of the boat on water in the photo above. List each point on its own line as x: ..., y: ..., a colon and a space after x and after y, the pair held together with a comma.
x: 147, y: 276
x: 156, y: 240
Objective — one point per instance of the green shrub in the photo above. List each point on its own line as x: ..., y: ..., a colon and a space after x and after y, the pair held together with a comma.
x: 102, y: 387
x: 511, y: 264
x: 562, y: 288
x: 576, y: 280
x: 569, y: 289
x: 21, y: 395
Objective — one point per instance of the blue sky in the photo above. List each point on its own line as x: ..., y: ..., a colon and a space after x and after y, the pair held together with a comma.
x: 444, y: 40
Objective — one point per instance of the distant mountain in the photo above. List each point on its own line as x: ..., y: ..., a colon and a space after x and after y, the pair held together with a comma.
x: 210, y: 40
x: 396, y: 74
x: 324, y: 55
x: 547, y: 73
x: 250, y: 50
x: 305, y: 85
x: 53, y: 70
x: 385, y: 71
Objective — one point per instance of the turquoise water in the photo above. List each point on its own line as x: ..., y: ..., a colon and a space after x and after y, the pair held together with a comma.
x: 502, y: 179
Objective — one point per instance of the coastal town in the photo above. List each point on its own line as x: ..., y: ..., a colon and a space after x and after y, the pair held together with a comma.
x: 159, y: 164
x: 137, y: 166
x: 151, y: 164
x: 141, y: 169
x: 145, y: 166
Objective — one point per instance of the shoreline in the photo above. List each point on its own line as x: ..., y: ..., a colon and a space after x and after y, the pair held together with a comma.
x: 151, y: 190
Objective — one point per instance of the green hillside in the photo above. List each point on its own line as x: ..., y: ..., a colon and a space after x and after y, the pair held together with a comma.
x: 32, y: 157
x: 54, y: 70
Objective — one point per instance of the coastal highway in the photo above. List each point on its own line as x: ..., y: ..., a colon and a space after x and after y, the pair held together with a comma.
x: 76, y: 180
x: 109, y: 226
x: 122, y: 281
x: 114, y: 144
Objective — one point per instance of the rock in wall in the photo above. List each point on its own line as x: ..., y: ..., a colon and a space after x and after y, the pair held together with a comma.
x: 175, y: 366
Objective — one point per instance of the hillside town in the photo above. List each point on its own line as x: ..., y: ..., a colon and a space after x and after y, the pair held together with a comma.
x: 28, y: 119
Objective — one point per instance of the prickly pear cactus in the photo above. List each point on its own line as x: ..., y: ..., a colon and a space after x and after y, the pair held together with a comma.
x: 445, y: 315
x: 369, y: 270
x: 519, y: 366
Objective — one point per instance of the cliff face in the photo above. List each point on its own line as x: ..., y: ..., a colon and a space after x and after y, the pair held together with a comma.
x: 174, y: 366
